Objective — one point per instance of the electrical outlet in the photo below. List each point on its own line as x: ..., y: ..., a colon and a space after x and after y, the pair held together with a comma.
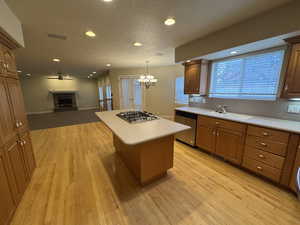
x: 294, y: 108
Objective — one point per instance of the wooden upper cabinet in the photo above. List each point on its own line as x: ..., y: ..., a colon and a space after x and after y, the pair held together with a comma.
x: 17, y: 102
x: 291, y: 87
x: 195, y: 77
x: 9, y: 63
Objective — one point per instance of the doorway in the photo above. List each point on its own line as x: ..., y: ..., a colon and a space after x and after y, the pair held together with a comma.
x: 131, y: 93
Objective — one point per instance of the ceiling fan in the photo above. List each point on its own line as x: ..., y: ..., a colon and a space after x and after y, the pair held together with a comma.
x: 61, y: 76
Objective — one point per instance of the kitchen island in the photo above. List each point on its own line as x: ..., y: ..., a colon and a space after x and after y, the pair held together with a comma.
x: 146, y: 147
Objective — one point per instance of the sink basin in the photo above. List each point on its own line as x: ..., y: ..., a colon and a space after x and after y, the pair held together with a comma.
x: 233, y: 116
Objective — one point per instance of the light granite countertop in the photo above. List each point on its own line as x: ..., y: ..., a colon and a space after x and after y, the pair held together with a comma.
x: 136, y: 133
x: 286, y: 125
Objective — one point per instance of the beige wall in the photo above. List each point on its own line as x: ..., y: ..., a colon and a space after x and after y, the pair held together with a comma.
x: 10, y: 23
x: 159, y: 99
x: 276, y: 22
x: 38, y: 99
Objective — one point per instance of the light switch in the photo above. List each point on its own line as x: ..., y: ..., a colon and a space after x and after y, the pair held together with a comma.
x: 294, y: 108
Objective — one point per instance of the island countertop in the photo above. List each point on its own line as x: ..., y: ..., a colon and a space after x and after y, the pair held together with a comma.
x: 269, y: 122
x: 136, y: 133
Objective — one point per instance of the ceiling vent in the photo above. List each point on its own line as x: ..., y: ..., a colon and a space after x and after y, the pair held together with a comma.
x: 57, y: 36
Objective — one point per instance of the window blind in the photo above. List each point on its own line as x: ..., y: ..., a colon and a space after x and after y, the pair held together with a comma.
x: 247, y: 77
x: 180, y: 97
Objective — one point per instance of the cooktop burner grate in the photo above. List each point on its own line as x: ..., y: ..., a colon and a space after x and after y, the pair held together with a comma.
x: 137, y: 116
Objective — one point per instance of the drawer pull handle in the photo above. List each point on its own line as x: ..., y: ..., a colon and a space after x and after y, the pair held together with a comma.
x: 265, y: 134
x: 259, y: 168
x: 263, y: 144
x: 261, y: 156
x: 214, y: 132
x: 217, y: 123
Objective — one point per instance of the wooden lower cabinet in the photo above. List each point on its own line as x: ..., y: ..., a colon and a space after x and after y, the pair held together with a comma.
x: 17, y: 163
x: 295, y: 170
x: 205, y: 138
x: 7, y: 204
x: 230, y: 144
x: 28, y: 154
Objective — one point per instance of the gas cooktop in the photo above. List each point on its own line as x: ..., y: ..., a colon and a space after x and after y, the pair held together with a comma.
x: 137, y: 116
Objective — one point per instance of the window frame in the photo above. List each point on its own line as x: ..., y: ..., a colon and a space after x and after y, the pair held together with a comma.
x: 175, y: 96
x: 280, y: 80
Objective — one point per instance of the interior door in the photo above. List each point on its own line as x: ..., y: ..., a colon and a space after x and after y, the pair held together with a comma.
x: 229, y: 145
x: 16, y: 160
x: 7, y: 125
x: 131, y: 94
x: 7, y: 205
x: 18, y: 108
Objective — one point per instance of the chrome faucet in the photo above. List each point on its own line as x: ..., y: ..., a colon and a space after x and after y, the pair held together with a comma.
x: 221, y: 108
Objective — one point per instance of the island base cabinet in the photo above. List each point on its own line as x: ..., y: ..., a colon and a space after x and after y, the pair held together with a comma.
x: 149, y: 160
x: 7, y: 204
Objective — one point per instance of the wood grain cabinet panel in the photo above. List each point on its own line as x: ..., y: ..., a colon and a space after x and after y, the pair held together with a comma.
x: 292, y: 80
x: 7, y: 125
x: 269, y: 134
x: 230, y: 145
x: 295, y: 169
x: 206, y: 138
x: 7, y: 205
x: 2, y: 64
x: 195, y: 77
x: 28, y: 154
x: 9, y: 63
x: 17, y: 102
x: 16, y: 161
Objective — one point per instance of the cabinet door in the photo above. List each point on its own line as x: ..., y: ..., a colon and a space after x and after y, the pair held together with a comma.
x: 229, y: 144
x: 16, y: 161
x: 7, y: 124
x: 292, y: 80
x: 9, y: 63
x: 28, y: 154
x: 17, y: 102
x: 206, y: 138
x: 192, y: 79
x: 296, y: 166
x: 2, y: 64
x: 7, y: 205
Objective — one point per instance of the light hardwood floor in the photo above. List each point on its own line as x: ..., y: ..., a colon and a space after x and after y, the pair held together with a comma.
x: 81, y: 181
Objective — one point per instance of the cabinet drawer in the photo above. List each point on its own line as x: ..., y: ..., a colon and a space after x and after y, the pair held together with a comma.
x: 209, y: 121
x: 264, y: 157
x: 269, y: 134
x: 266, y: 145
x: 262, y: 169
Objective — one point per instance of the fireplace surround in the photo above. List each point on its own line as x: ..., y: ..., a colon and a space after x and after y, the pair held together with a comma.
x: 64, y: 102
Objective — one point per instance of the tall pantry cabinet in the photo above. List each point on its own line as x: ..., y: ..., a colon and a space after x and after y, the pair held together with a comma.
x: 17, y: 161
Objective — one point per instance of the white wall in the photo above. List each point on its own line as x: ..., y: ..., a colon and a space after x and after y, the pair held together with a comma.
x: 38, y: 99
x: 160, y: 99
x: 10, y: 23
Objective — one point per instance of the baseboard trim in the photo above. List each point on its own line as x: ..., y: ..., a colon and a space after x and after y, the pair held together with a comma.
x: 41, y: 112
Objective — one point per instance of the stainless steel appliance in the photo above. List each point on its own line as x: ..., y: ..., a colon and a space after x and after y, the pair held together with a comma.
x: 189, y: 119
x: 137, y: 116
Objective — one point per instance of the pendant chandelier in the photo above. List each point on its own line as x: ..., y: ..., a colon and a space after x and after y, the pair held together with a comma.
x: 147, y: 80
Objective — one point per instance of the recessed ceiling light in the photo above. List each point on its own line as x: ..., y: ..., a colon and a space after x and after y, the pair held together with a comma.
x: 90, y: 33
x: 94, y: 72
x: 107, y: 0
x: 56, y: 60
x: 19, y: 71
x: 108, y: 64
x: 188, y: 61
x: 137, y: 44
x: 170, y: 21
x: 28, y: 74
x: 233, y: 52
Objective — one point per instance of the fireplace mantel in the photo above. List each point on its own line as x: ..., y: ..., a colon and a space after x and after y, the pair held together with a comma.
x: 60, y: 91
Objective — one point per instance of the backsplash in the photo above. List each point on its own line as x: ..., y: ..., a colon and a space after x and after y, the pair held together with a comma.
x: 277, y: 109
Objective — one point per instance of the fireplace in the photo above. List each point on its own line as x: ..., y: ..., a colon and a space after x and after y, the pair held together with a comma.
x: 64, y: 101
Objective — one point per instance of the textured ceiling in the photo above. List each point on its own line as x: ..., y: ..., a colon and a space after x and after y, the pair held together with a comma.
x: 118, y: 24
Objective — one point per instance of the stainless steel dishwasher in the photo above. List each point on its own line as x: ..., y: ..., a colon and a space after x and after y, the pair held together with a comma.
x: 189, y: 119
